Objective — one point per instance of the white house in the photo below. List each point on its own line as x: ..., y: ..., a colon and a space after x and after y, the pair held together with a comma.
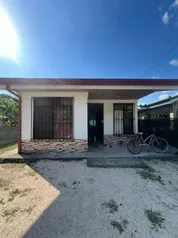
x: 69, y: 114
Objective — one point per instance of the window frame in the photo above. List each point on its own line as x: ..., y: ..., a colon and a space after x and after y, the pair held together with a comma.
x: 123, y: 107
x: 58, y: 104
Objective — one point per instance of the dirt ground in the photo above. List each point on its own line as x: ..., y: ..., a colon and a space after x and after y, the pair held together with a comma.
x: 24, y: 195
x: 69, y: 200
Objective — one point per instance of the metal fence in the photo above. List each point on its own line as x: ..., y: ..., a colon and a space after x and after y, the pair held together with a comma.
x: 166, y: 128
x: 8, y: 135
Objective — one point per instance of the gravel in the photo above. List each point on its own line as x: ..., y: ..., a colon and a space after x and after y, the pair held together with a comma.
x: 79, y: 212
x: 71, y: 200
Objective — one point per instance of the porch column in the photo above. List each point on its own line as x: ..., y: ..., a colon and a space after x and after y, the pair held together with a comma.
x: 81, y: 117
x: 26, y: 118
x: 135, y: 117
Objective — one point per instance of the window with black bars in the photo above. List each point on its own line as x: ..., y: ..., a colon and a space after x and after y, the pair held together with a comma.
x: 123, y: 118
x: 53, y: 118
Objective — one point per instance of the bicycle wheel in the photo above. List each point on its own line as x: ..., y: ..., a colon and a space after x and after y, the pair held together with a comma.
x: 159, y: 145
x: 133, y: 145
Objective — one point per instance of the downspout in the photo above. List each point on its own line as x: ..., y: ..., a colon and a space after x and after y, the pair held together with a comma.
x: 19, y: 116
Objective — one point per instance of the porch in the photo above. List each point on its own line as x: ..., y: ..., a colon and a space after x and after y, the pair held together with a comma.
x: 101, y: 156
x: 115, y: 151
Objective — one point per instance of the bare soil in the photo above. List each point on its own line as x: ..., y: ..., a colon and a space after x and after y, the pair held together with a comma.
x: 24, y: 195
x: 67, y: 199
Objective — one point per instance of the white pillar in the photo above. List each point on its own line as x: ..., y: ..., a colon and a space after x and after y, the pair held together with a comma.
x: 108, y: 117
x: 81, y: 117
x: 135, y: 116
x: 26, y: 118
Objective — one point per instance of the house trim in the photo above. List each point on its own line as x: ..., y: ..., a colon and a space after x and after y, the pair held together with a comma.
x: 87, y: 81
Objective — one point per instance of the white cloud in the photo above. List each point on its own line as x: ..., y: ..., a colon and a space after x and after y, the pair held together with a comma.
x: 174, y: 62
x: 174, y: 4
x: 163, y: 96
x: 165, y: 91
x: 165, y: 18
x: 155, y: 77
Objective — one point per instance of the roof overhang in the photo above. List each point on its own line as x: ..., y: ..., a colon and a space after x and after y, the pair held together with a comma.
x: 97, y: 88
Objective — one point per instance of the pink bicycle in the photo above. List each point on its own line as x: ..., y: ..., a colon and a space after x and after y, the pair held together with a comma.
x: 136, y: 143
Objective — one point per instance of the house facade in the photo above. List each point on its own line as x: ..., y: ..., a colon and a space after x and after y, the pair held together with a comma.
x: 70, y: 121
x: 67, y: 115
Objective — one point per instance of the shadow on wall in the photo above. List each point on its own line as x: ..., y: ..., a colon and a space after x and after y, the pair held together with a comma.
x: 8, y: 135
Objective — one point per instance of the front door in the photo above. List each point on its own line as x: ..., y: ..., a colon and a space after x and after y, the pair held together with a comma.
x: 95, y: 123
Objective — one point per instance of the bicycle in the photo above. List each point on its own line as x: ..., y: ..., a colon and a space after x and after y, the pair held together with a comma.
x: 136, y: 143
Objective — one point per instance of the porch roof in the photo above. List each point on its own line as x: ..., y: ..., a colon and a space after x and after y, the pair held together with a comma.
x: 97, y: 88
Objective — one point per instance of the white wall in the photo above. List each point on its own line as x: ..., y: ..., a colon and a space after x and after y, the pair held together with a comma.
x: 80, y: 112
x: 80, y: 117
x: 108, y: 114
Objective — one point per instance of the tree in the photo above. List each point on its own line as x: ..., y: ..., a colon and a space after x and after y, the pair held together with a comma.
x: 9, y: 110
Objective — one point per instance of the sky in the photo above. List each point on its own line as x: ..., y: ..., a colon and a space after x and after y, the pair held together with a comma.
x: 90, y: 38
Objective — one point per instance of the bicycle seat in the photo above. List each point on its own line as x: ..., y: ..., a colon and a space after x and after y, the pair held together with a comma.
x: 139, y: 133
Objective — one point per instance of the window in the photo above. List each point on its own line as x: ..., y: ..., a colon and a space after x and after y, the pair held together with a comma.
x: 53, y: 118
x: 123, y: 118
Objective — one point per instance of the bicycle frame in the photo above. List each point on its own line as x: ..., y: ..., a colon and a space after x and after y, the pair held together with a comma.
x: 144, y: 142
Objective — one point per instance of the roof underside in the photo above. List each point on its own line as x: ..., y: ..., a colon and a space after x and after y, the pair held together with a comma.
x: 87, y: 81
x: 96, y: 88
x: 118, y: 94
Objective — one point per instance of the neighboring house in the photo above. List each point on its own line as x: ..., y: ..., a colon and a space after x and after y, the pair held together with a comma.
x: 162, y: 109
x: 69, y: 114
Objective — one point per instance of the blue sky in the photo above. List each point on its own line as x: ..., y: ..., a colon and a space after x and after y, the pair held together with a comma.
x: 93, y: 38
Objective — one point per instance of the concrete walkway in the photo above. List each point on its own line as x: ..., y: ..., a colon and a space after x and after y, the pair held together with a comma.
x: 116, y: 163
x: 101, y: 156
x: 116, y: 151
x: 100, y: 152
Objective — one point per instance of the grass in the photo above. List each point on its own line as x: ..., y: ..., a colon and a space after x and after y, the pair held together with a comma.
x: 2, y: 201
x: 32, y: 173
x: 62, y: 185
x: 150, y: 169
x: 4, y: 182
x: 28, y: 210
x: 13, y: 166
x: 8, y: 147
x: 149, y: 174
x: 10, y: 213
x: 75, y: 182
x: 22, y: 193
x: 120, y: 226
x: 112, y: 205
x: 155, y: 218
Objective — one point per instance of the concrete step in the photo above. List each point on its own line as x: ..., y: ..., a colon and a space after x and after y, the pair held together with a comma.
x: 116, y: 162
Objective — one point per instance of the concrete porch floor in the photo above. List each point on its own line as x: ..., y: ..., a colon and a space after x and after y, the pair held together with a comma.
x: 121, y: 151
x: 100, y: 151
x: 115, y: 151
x: 101, y: 156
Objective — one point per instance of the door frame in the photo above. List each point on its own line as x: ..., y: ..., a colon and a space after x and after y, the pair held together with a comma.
x: 102, y: 104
